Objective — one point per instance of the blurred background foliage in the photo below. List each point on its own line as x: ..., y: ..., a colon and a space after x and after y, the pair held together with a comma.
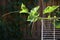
x: 12, y: 26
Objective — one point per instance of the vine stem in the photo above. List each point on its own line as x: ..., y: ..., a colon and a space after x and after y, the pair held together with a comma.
x: 9, y: 13
x: 48, y: 18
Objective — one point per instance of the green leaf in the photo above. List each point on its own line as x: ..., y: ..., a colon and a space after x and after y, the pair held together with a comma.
x: 23, y: 9
x: 50, y: 9
x: 55, y: 17
x: 32, y: 18
x: 34, y: 10
x: 57, y: 24
x: 49, y: 17
x: 33, y: 15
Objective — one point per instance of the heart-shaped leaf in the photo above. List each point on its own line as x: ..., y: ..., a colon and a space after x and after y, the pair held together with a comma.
x: 33, y: 15
x: 32, y: 18
x: 23, y: 9
x: 50, y: 9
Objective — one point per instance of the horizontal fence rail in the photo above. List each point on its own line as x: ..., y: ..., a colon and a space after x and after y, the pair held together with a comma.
x: 48, y: 34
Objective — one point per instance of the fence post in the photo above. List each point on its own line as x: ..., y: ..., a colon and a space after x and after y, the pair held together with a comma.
x: 42, y: 29
x: 54, y: 29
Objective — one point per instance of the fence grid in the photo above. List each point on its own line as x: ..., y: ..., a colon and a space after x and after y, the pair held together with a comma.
x: 51, y: 32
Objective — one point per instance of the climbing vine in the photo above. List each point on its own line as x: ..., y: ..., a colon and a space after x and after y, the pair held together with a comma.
x: 34, y: 15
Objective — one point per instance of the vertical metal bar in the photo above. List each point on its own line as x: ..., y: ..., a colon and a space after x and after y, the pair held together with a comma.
x: 42, y: 29
x: 54, y: 29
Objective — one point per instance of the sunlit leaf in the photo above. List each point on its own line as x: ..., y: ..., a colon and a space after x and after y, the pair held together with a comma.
x: 50, y: 9
x: 33, y: 15
x: 23, y: 9
x: 55, y: 17
x: 34, y: 10
x: 49, y: 17
x: 32, y: 18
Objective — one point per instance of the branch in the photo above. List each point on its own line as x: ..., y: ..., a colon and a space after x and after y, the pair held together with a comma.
x: 9, y: 13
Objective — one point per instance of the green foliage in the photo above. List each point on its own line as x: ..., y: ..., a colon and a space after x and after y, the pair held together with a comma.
x: 33, y: 18
x: 50, y: 9
x: 23, y: 9
x: 34, y: 10
x: 57, y: 24
x: 33, y: 15
x: 55, y: 17
x: 49, y: 17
